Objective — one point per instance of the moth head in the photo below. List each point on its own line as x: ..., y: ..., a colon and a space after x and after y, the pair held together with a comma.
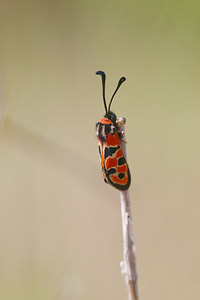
x: 111, y: 116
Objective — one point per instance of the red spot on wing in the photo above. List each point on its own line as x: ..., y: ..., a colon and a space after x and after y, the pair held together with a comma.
x: 112, y: 161
x: 116, y: 179
x: 113, y: 140
x: 122, y: 169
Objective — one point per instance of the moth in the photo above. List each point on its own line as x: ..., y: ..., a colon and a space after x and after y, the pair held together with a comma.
x: 114, y: 166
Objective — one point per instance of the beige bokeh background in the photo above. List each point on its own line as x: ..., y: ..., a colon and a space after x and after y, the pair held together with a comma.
x: 60, y: 224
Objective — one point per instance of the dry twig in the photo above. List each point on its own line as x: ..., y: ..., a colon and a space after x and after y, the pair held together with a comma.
x: 128, y: 265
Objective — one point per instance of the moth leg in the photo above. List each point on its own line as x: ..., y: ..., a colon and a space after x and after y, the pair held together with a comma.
x: 121, y: 121
x: 119, y: 132
x: 121, y: 136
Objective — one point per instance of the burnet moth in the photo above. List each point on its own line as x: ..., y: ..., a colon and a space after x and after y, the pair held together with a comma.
x: 114, y: 166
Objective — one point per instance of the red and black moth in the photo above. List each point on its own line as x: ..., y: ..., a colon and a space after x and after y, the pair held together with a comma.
x: 114, y: 166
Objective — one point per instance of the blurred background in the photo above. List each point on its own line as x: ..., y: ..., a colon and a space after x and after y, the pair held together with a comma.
x: 60, y: 224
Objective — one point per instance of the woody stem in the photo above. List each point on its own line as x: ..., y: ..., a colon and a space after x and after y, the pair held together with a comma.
x: 128, y: 265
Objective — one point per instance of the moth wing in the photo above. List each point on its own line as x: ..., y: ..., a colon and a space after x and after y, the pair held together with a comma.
x: 101, y: 146
x: 114, y: 163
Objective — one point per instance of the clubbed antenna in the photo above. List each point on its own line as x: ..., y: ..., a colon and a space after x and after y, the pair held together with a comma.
x: 103, y: 76
x: 122, y: 79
